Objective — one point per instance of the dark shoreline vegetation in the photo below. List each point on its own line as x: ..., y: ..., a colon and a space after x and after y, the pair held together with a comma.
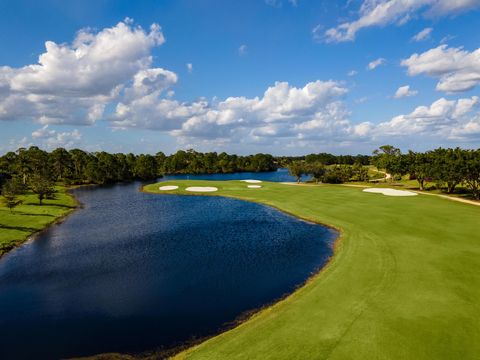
x: 75, y: 167
x: 39, y: 169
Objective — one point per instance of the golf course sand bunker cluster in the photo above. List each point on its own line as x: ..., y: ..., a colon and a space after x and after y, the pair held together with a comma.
x: 201, y: 189
x: 254, y: 186
x: 390, y: 192
x: 168, y: 188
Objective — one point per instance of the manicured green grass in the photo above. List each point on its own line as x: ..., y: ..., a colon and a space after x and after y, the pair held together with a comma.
x: 404, y: 282
x: 30, y: 217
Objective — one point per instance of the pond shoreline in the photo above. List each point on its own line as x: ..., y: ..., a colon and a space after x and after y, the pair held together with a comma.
x: 161, y: 354
x: 58, y: 220
x: 244, y: 317
x: 238, y: 321
x: 61, y: 239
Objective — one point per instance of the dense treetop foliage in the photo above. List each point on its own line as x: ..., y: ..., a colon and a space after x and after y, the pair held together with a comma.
x: 446, y: 168
x: 80, y: 167
x: 326, y: 159
x: 38, y: 170
x: 332, y: 174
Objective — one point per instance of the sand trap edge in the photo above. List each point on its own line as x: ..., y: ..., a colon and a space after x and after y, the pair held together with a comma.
x: 251, y: 181
x: 201, y: 189
x: 168, y: 187
x: 390, y: 192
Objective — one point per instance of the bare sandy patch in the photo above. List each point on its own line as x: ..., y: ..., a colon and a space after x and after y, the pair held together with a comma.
x: 251, y: 181
x: 254, y: 186
x: 390, y: 192
x: 168, y: 187
x: 201, y: 189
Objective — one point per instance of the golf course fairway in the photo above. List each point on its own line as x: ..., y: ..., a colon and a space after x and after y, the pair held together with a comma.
x: 404, y: 282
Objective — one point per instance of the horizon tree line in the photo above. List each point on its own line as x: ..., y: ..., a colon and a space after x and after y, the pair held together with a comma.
x: 38, y: 170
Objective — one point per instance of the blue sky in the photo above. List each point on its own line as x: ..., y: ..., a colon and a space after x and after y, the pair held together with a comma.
x: 279, y: 76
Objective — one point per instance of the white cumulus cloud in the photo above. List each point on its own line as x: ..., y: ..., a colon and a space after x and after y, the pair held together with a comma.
x: 315, y: 111
x: 456, y: 69
x: 72, y: 83
x: 374, y: 13
x: 112, y: 69
x: 52, y: 139
x: 443, y: 119
x: 405, y: 91
x: 376, y: 63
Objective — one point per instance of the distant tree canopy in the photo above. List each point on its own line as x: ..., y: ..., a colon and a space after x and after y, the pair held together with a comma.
x: 78, y: 167
x: 329, y: 159
x: 39, y: 170
x: 192, y: 162
x: 332, y: 174
x: 388, y: 158
x: 325, y: 159
x: 446, y: 167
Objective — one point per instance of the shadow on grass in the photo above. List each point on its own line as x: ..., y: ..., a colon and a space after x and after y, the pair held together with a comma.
x: 30, y: 214
x: 20, y: 228
x: 49, y: 204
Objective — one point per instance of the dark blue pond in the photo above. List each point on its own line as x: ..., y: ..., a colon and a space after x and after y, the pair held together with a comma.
x: 280, y: 175
x: 131, y: 272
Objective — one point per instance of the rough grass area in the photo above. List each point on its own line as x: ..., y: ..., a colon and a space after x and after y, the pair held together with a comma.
x: 30, y: 217
x: 404, y: 282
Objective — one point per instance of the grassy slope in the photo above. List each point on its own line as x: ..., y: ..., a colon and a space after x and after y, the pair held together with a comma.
x: 30, y: 217
x: 403, y: 284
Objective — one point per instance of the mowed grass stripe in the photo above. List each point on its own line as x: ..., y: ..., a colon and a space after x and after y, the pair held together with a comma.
x: 404, y: 282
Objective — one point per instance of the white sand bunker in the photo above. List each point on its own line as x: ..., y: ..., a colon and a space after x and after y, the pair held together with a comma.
x: 201, y: 188
x: 254, y: 186
x: 168, y: 187
x: 252, y: 181
x: 390, y: 192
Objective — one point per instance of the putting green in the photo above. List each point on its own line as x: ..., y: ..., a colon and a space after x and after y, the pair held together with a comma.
x: 404, y: 282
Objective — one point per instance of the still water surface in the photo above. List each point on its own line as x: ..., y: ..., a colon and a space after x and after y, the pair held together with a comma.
x: 131, y: 272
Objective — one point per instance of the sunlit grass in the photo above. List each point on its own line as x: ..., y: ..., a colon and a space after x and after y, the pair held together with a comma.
x: 17, y: 225
x: 404, y: 282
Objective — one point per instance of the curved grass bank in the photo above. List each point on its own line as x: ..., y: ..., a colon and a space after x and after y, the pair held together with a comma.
x: 30, y: 217
x: 404, y: 282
